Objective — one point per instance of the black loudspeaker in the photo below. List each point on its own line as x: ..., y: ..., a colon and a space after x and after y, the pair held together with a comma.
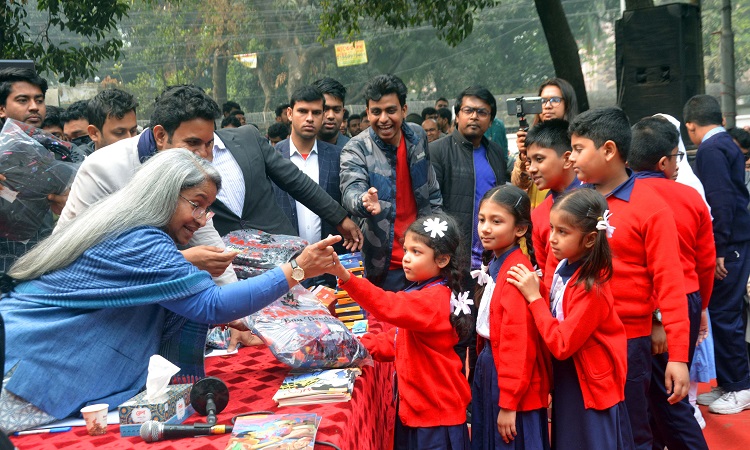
x: 659, y: 53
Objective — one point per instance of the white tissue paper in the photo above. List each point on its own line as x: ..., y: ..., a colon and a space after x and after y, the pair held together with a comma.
x: 160, y: 371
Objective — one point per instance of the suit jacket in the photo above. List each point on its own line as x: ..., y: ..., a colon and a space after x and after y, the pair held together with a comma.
x: 262, y: 167
x: 329, y: 157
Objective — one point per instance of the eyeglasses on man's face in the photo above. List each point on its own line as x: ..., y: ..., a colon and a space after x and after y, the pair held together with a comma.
x: 481, y: 112
x: 553, y: 101
x: 198, y: 212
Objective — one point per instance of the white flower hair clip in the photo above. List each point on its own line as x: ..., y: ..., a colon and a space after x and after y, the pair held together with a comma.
x: 603, y: 224
x: 461, y: 303
x: 435, y: 227
x: 481, y: 275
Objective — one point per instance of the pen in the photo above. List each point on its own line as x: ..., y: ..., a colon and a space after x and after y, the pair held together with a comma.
x: 42, y: 431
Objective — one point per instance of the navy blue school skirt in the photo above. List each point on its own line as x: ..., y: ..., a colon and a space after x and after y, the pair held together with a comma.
x: 574, y: 426
x: 531, y: 426
x: 454, y: 437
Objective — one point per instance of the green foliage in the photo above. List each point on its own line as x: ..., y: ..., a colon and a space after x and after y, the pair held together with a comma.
x: 33, y: 30
x: 453, y: 20
x: 711, y: 22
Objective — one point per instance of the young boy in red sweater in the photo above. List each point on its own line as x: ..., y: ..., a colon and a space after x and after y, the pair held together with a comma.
x: 548, y: 150
x: 646, y: 259
x: 654, y: 156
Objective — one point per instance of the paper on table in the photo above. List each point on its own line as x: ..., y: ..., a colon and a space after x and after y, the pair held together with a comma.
x: 113, y: 417
x: 217, y: 352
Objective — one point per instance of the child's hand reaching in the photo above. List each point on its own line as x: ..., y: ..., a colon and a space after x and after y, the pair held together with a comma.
x: 527, y: 281
x: 506, y: 424
x: 338, y: 270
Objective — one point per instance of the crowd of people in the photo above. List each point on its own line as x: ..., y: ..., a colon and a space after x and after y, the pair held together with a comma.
x: 597, y: 267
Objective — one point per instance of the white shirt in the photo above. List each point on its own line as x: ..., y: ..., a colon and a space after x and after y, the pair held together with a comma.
x: 307, y: 221
x: 232, y: 192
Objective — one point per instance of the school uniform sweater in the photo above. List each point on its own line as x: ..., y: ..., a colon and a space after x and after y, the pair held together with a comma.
x: 540, y: 237
x: 541, y: 230
x: 432, y: 391
x: 646, y: 263
x: 593, y: 335
x: 720, y: 165
x: 521, y: 358
x: 694, y: 229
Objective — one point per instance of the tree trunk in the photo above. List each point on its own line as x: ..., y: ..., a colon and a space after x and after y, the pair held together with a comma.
x: 219, y: 75
x: 562, y: 47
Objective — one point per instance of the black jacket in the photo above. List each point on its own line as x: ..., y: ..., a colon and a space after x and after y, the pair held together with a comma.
x: 261, y: 164
x: 453, y: 159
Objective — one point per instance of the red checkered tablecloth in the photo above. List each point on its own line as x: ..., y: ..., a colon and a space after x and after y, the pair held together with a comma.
x: 253, y: 376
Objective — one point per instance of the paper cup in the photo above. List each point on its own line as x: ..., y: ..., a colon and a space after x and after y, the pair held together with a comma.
x: 96, y: 418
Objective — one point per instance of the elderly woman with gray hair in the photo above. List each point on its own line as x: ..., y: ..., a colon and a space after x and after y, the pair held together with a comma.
x: 89, y: 305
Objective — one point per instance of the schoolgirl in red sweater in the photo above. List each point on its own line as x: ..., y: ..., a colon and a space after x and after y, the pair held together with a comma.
x: 584, y: 334
x: 429, y: 317
x: 511, y: 383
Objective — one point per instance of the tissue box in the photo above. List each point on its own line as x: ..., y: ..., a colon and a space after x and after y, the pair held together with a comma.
x: 138, y: 410
x: 134, y: 429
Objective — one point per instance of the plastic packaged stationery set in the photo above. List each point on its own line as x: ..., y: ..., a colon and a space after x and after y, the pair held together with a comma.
x: 31, y: 173
x: 301, y: 332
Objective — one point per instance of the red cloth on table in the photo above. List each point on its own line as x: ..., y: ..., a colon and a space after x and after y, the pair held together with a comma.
x: 253, y: 376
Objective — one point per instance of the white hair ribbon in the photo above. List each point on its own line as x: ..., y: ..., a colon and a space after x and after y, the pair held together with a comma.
x: 603, y: 223
x: 481, y: 275
x: 435, y: 227
x: 461, y: 303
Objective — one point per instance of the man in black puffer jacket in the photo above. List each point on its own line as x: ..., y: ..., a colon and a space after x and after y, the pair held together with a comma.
x: 467, y: 165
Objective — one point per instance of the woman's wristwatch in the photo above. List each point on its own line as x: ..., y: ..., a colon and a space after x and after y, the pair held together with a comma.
x: 298, y: 274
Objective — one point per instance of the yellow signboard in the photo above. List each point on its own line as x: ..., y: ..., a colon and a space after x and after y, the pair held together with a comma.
x: 249, y: 60
x: 351, y: 54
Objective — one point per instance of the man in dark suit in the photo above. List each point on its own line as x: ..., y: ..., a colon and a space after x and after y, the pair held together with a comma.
x: 318, y: 159
x: 250, y: 167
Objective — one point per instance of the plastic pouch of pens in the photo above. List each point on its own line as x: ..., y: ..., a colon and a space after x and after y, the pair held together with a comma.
x: 301, y: 332
x: 31, y: 173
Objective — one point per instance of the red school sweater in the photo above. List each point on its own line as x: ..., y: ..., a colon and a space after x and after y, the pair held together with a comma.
x: 646, y: 263
x: 521, y: 358
x: 432, y: 391
x: 695, y: 232
x: 593, y: 336
x: 540, y: 232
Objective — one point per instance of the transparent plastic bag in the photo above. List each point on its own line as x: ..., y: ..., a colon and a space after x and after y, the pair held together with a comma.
x: 258, y: 251
x: 301, y: 332
x: 31, y: 173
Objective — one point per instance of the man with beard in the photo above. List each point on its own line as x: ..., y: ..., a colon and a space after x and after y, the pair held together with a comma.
x: 333, y: 111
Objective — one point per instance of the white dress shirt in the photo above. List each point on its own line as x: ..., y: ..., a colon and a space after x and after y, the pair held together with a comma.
x: 308, y: 222
x: 232, y: 192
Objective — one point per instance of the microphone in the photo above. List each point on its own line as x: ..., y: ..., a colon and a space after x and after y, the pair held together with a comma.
x: 153, y: 431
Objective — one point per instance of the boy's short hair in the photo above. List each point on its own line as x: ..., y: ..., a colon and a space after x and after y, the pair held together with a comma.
x: 428, y: 111
x: 738, y: 134
x: 181, y: 103
x: 702, y: 110
x: 445, y: 113
x: 230, y: 120
x: 331, y: 87
x: 278, y: 130
x: 229, y: 106
x: 386, y: 84
x: 11, y: 75
x: 602, y: 125
x: 52, y: 119
x: 77, y: 110
x: 551, y: 134
x: 653, y: 139
x: 281, y: 109
x: 352, y: 118
x: 110, y: 103
x: 306, y: 94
